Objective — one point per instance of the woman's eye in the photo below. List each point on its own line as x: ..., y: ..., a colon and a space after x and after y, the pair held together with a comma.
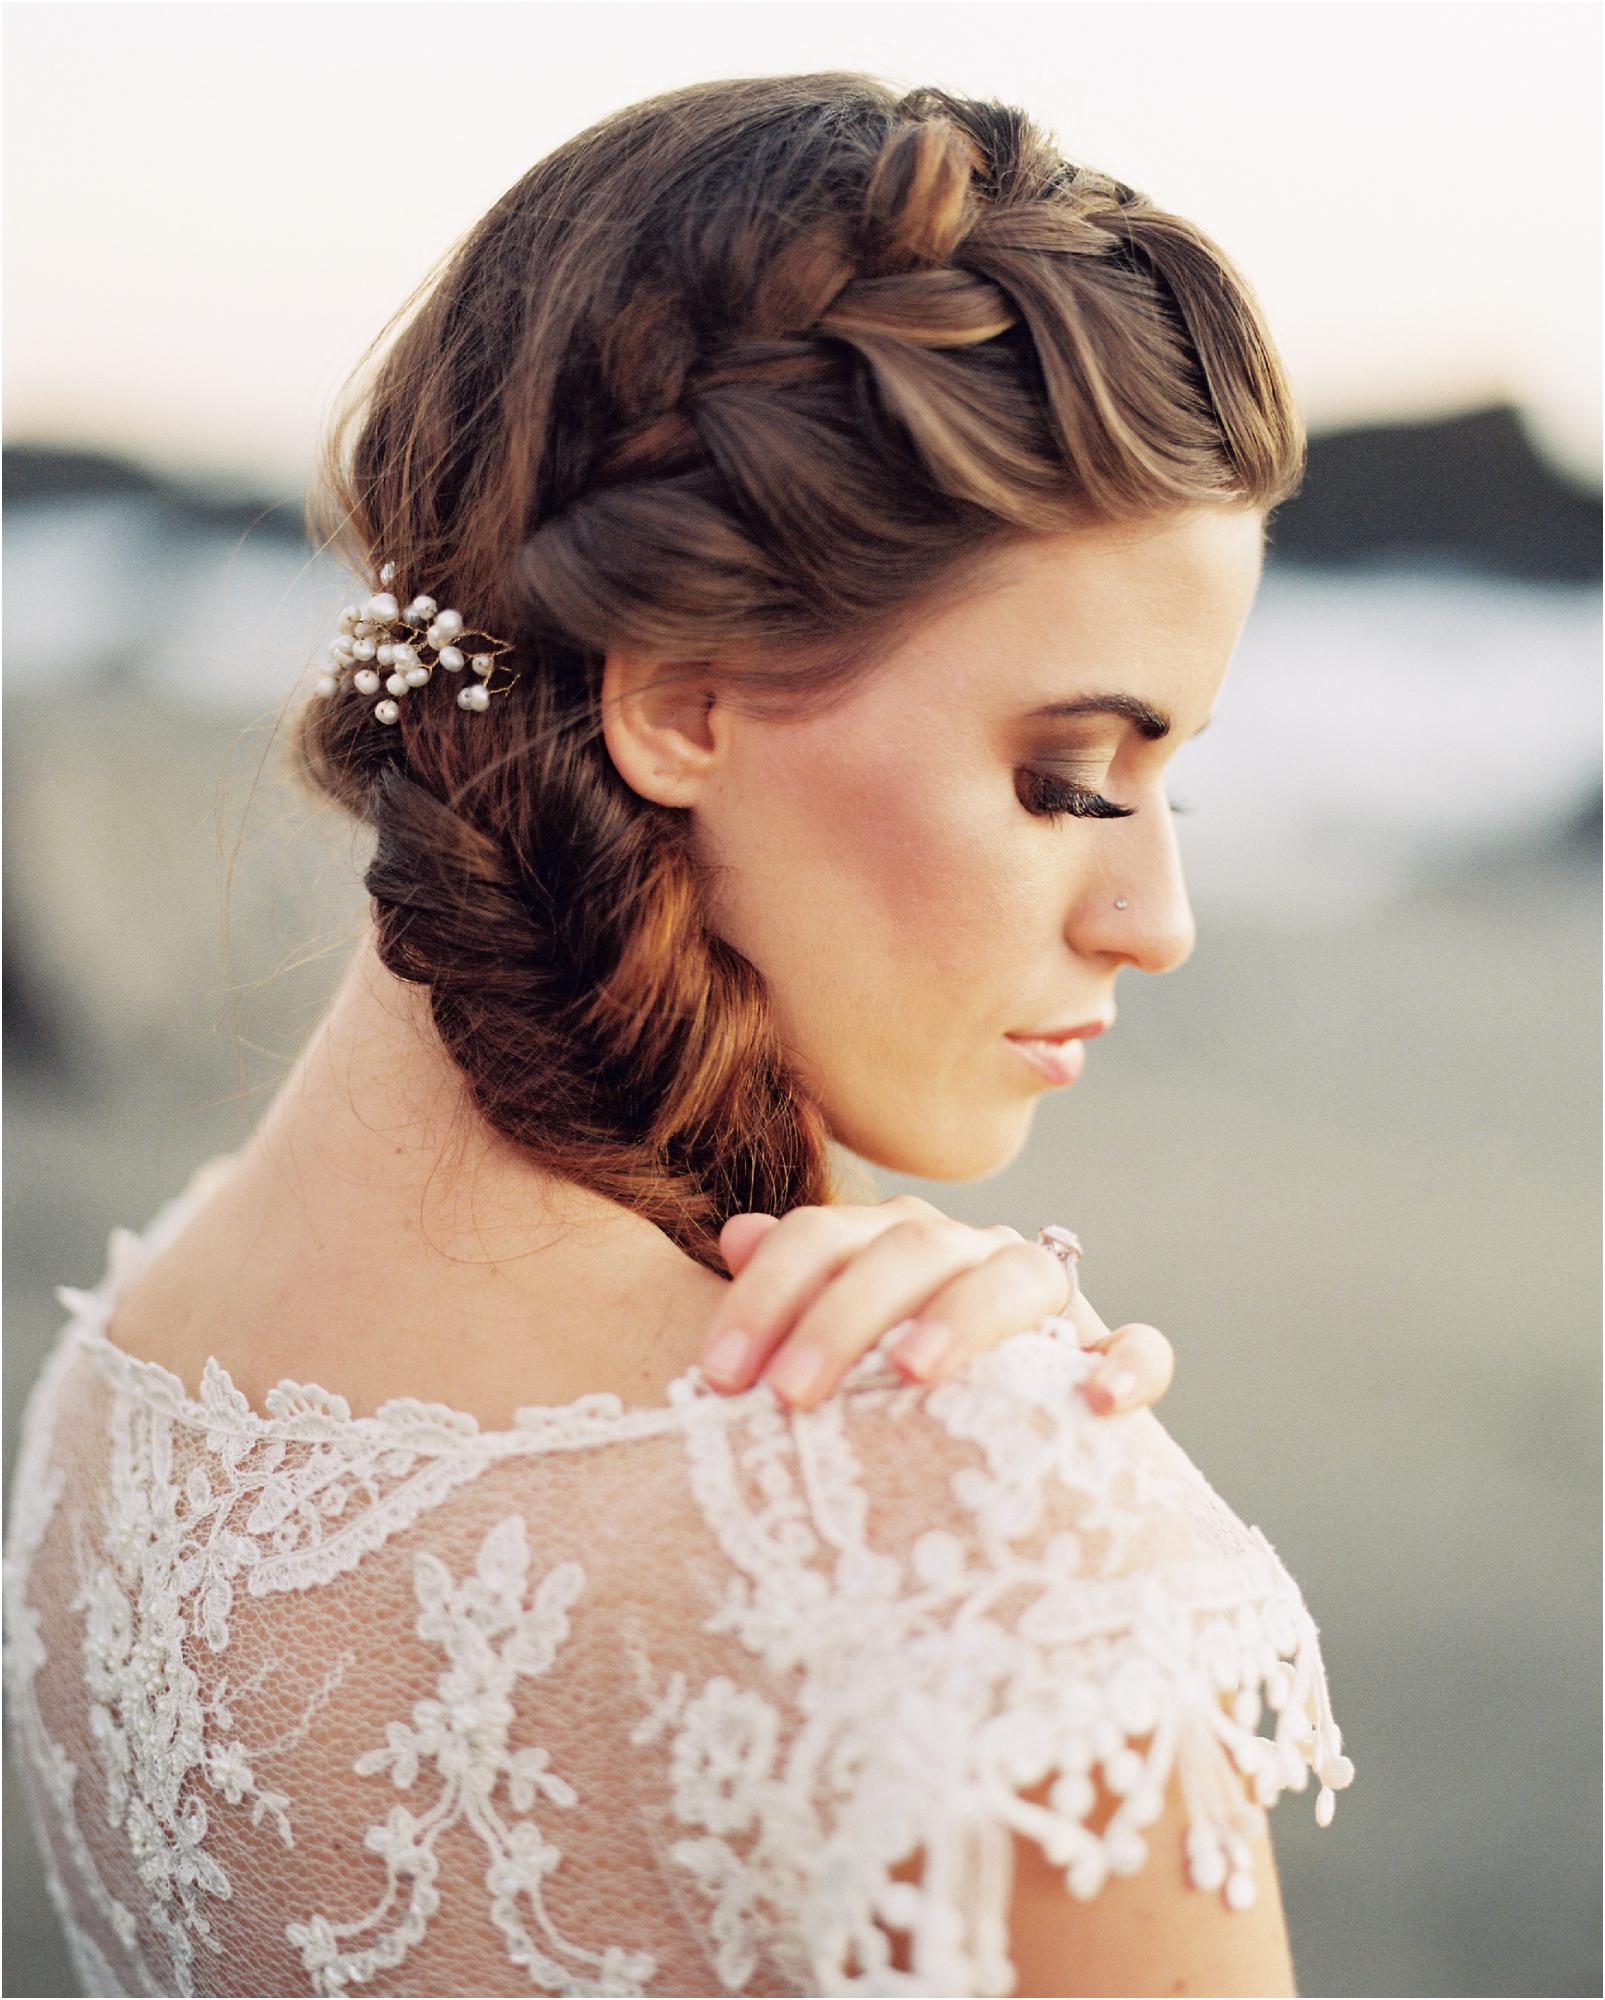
x: 1054, y: 798
x: 1057, y: 798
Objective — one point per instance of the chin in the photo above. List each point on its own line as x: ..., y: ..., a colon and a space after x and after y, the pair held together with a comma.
x: 924, y: 1149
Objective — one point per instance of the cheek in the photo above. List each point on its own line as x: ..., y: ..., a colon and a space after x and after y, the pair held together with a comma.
x: 937, y: 888
x: 910, y: 872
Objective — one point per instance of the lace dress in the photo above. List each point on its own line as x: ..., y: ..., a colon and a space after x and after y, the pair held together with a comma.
x: 619, y: 1700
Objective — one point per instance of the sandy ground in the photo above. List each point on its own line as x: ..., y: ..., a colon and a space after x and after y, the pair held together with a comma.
x: 1352, y: 1170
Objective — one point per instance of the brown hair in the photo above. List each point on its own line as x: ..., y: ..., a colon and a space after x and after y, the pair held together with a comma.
x: 753, y: 374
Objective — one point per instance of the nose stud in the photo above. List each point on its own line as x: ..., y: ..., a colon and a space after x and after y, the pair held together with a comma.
x: 1120, y: 902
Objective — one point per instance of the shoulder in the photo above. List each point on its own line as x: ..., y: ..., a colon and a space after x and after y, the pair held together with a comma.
x: 226, y: 1271
x: 1008, y: 1460
x: 1002, y: 1468
x: 1009, y: 1624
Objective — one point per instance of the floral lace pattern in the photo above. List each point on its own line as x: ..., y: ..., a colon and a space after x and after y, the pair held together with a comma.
x: 977, y: 1667
x: 463, y: 1730
x: 670, y: 1692
x: 156, y: 1574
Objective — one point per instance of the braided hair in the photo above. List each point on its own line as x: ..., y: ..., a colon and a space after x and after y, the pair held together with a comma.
x: 747, y: 378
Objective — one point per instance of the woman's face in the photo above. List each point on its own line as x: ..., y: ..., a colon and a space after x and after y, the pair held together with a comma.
x: 893, y: 867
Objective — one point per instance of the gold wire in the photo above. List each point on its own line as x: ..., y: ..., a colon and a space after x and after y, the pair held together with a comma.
x: 416, y: 637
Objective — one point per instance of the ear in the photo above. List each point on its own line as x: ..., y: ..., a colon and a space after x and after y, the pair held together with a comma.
x: 663, y: 727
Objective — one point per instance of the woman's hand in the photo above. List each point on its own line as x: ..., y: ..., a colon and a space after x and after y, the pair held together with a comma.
x: 813, y: 1290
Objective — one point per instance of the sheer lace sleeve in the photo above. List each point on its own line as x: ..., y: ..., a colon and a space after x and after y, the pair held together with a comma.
x: 944, y: 1598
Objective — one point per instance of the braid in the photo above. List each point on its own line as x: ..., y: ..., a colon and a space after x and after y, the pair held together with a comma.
x: 569, y: 947
x: 753, y: 374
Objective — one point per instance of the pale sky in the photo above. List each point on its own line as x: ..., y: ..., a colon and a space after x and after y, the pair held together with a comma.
x: 211, y: 207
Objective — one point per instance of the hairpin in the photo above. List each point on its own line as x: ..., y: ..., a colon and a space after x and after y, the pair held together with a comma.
x: 379, y: 634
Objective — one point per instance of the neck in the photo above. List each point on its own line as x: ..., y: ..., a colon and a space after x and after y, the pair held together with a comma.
x: 373, y: 1136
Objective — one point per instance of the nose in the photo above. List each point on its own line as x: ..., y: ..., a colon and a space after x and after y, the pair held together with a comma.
x: 1141, y: 866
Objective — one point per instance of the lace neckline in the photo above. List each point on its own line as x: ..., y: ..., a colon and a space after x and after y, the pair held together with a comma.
x: 308, y: 1410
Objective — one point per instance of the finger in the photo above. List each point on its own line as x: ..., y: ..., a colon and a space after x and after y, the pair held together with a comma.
x: 783, y: 1273
x: 892, y: 1278
x: 1136, y: 1370
x: 1138, y: 1374
x: 1090, y: 1329
x: 1019, y: 1284
x: 741, y: 1235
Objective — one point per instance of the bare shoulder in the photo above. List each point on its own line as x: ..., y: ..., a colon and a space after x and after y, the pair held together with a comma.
x: 1150, y: 1932
x: 373, y: 1318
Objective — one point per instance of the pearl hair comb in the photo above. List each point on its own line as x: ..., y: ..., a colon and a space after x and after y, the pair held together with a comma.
x: 380, y: 635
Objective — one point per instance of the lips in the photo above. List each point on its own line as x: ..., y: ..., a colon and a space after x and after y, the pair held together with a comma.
x: 1059, y: 1062
x: 1083, y: 1033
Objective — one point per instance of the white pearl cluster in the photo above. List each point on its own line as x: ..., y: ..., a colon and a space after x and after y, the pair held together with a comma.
x: 370, y: 649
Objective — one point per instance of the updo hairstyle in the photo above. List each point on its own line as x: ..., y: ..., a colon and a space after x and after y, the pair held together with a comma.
x: 749, y: 379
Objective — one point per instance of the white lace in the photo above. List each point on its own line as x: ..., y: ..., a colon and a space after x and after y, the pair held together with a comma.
x: 620, y: 1700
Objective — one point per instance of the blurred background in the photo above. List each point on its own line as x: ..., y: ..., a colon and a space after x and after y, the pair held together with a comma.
x: 1348, y: 1158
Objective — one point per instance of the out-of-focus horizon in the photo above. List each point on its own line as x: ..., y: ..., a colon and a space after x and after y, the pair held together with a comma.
x: 1396, y: 203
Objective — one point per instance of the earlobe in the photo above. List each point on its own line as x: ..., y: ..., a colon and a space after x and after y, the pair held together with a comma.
x: 658, y: 723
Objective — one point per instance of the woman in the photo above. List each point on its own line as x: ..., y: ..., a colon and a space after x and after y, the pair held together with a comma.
x: 844, y: 496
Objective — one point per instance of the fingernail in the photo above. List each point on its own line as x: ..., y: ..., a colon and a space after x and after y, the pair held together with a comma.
x: 728, y: 1356
x: 1106, y: 1391
x: 797, y: 1373
x: 921, y: 1350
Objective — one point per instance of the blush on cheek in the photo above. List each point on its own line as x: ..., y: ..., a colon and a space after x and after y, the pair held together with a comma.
x: 822, y: 802
x: 867, y: 873
x: 914, y: 874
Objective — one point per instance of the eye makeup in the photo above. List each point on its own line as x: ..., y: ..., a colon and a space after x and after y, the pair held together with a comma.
x: 1058, y: 798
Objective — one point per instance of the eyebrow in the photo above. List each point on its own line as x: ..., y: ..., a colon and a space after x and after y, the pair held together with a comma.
x: 1151, y: 722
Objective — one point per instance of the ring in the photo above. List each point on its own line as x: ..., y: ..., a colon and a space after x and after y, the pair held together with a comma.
x: 1066, y: 1246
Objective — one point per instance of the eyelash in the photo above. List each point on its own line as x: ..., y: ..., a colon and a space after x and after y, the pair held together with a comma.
x: 1057, y: 798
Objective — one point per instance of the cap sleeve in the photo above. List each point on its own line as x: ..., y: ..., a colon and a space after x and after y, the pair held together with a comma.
x: 942, y: 1600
